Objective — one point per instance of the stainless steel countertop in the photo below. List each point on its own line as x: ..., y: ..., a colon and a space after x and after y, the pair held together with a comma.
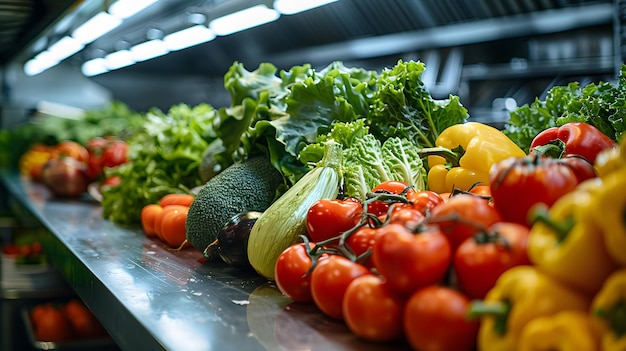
x: 149, y: 297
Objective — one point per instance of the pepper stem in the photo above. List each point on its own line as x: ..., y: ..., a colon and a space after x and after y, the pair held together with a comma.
x: 498, y: 309
x: 553, y: 149
x: 615, y: 317
x: 453, y: 156
x: 561, y: 228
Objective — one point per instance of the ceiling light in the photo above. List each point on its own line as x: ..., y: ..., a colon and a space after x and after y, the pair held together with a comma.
x: 244, y: 19
x: 290, y: 7
x: 188, y: 37
x: 33, y: 66
x: 96, y: 27
x: 127, y: 8
x: 94, y: 67
x: 65, y: 47
x: 148, y: 50
x: 119, y: 59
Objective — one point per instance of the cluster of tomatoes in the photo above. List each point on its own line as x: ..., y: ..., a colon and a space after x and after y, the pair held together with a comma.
x: 166, y: 220
x: 68, y: 167
x: 403, y: 263
x: 65, y: 321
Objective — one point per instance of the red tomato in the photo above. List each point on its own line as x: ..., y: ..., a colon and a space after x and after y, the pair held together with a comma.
x: 51, y: 324
x: 95, y: 147
x: 115, y: 154
x: 328, y: 218
x: 362, y: 240
x: 69, y: 148
x: 582, y: 168
x: 290, y: 273
x: 518, y: 183
x: 481, y: 259
x: 462, y: 216
x: 110, y: 182
x: 481, y: 190
x: 435, y: 320
x: 372, y: 310
x: 411, y: 261
x: 329, y: 281
x: 379, y: 207
x: 406, y: 215
x: 425, y: 200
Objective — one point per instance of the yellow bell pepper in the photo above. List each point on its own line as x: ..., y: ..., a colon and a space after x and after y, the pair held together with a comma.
x: 566, y: 244
x: 610, y: 160
x: 608, y: 210
x: 608, y: 309
x: 564, y: 331
x: 520, y: 295
x: 32, y: 161
x: 464, y: 155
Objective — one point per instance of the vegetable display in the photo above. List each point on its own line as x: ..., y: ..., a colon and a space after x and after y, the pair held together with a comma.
x: 285, y: 220
x: 465, y: 154
x: 573, y: 138
x: 520, y: 295
x: 356, y: 192
x: 601, y: 105
x: 164, y: 154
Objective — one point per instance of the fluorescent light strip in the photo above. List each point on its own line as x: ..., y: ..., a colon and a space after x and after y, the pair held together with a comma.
x: 94, y: 67
x: 290, y: 7
x: 188, y: 37
x: 96, y: 27
x: 148, y: 50
x: 126, y: 8
x: 118, y: 59
x: 244, y: 19
x: 65, y: 47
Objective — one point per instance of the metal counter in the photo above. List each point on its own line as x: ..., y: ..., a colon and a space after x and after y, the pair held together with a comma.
x: 149, y: 297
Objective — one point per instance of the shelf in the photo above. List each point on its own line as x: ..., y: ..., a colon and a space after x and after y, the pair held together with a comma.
x: 151, y: 298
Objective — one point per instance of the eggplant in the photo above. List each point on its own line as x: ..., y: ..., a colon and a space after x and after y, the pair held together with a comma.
x: 231, y: 244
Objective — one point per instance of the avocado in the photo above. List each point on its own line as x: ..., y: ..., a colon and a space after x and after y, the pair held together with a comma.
x: 249, y: 185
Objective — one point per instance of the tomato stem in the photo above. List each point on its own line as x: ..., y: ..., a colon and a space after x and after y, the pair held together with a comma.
x: 486, y: 237
x: 497, y: 309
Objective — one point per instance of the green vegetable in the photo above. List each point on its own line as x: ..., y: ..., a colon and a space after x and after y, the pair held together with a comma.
x: 403, y: 107
x: 165, y: 155
x: 284, y: 221
x: 280, y: 114
x: 367, y: 162
x: 249, y: 185
x: 602, y: 105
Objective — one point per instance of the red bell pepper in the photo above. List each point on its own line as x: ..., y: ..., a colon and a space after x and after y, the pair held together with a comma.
x: 574, y: 138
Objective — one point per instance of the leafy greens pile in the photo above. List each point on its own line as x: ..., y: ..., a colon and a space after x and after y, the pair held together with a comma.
x: 165, y: 156
x: 280, y: 114
x: 367, y: 161
x: 602, y: 105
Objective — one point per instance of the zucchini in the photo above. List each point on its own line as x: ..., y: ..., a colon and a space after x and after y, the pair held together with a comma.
x: 285, y: 220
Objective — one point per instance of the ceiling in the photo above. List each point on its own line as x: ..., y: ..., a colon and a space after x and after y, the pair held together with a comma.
x: 356, y: 31
x: 21, y: 21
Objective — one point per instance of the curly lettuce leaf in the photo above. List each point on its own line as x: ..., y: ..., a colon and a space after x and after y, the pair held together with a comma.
x: 403, y: 107
x: 165, y: 156
x: 281, y: 114
x: 367, y: 162
x: 601, y: 104
x: 404, y: 162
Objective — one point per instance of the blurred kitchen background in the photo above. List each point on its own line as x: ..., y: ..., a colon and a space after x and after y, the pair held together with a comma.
x: 495, y: 54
